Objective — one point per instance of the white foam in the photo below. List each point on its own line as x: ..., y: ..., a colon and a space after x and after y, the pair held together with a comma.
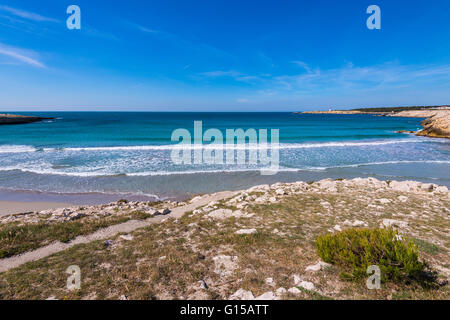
x: 240, y: 146
x: 48, y: 171
x: 16, y: 149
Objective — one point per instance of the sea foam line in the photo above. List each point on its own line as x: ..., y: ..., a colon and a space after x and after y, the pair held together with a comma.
x: 23, y: 148
x: 188, y: 172
x: 239, y: 146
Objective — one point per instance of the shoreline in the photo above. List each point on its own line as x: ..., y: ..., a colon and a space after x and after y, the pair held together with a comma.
x: 17, y: 204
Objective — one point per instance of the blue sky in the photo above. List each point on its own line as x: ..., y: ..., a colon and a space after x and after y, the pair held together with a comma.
x: 214, y: 55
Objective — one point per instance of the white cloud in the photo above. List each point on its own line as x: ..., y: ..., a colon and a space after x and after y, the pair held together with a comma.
x: 26, y: 14
x: 20, y: 55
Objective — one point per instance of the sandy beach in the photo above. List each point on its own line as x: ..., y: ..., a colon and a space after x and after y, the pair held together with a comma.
x: 14, y: 207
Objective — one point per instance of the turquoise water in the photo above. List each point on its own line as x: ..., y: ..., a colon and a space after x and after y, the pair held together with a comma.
x: 114, y: 154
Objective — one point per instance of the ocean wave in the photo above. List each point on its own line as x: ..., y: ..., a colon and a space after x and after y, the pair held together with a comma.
x: 49, y: 171
x: 241, y: 146
x: 16, y: 149
x: 169, y: 147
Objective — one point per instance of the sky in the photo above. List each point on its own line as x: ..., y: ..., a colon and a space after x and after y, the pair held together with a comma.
x: 223, y: 55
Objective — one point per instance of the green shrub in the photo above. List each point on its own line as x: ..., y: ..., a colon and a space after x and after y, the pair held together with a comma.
x: 354, y: 250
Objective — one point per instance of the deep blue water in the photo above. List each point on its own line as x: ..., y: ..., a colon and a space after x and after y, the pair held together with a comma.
x: 129, y: 153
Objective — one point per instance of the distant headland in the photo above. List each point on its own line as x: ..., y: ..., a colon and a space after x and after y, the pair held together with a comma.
x: 436, y: 124
x: 7, y: 119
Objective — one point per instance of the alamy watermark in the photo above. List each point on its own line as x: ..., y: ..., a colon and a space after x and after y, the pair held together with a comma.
x: 374, y: 21
x: 374, y: 281
x: 238, y: 147
x: 74, y: 280
x: 73, y: 22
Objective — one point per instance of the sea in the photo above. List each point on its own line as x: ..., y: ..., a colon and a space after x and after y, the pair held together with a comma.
x: 99, y: 157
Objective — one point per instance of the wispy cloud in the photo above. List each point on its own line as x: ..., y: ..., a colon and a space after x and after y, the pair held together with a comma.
x: 27, y: 14
x: 348, y: 78
x: 236, y: 75
x: 21, y: 55
x: 304, y: 65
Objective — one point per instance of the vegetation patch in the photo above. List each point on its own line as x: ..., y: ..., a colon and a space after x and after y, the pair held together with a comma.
x: 354, y: 250
x: 18, y: 238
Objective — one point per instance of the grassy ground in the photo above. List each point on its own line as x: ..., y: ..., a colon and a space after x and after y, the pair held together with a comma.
x: 168, y: 260
x: 16, y: 238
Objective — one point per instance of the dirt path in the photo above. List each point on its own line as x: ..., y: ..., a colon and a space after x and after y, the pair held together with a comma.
x: 103, y: 234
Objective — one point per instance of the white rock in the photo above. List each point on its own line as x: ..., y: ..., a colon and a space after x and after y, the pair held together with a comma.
x: 394, y: 223
x: 242, y: 294
x: 272, y: 199
x: 297, y: 279
x: 280, y: 192
x: 337, y: 228
x: 402, y: 198
x: 220, y: 213
x: 127, y: 237
x: 195, y: 199
x: 307, y: 285
x: 405, y: 186
x: 270, y: 282
x: 318, y: 266
x: 267, y: 296
x: 359, y: 223
x: 246, y: 231
x: 441, y: 189
x: 384, y: 201
x: 264, y: 187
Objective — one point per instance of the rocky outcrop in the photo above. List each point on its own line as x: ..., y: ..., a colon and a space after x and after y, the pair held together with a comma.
x: 437, y: 126
x: 19, y: 119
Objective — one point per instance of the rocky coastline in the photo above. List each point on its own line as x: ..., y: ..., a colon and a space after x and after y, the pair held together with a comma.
x: 9, y: 119
x: 436, y: 123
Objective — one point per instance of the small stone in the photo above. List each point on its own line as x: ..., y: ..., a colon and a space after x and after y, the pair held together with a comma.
x: 280, y: 192
x: 267, y: 296
x: 165, y: 212
x: 307, y: 285
x: 127, y: 237
x: 270, y: 282
x: 246, y: 231
x: 272, y: 199
x: 242, y: 294
x: 358, y: 223
x: 384, y: 201
x: 337, y: 228
x: 394, y: 223
x: 318, y: 266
